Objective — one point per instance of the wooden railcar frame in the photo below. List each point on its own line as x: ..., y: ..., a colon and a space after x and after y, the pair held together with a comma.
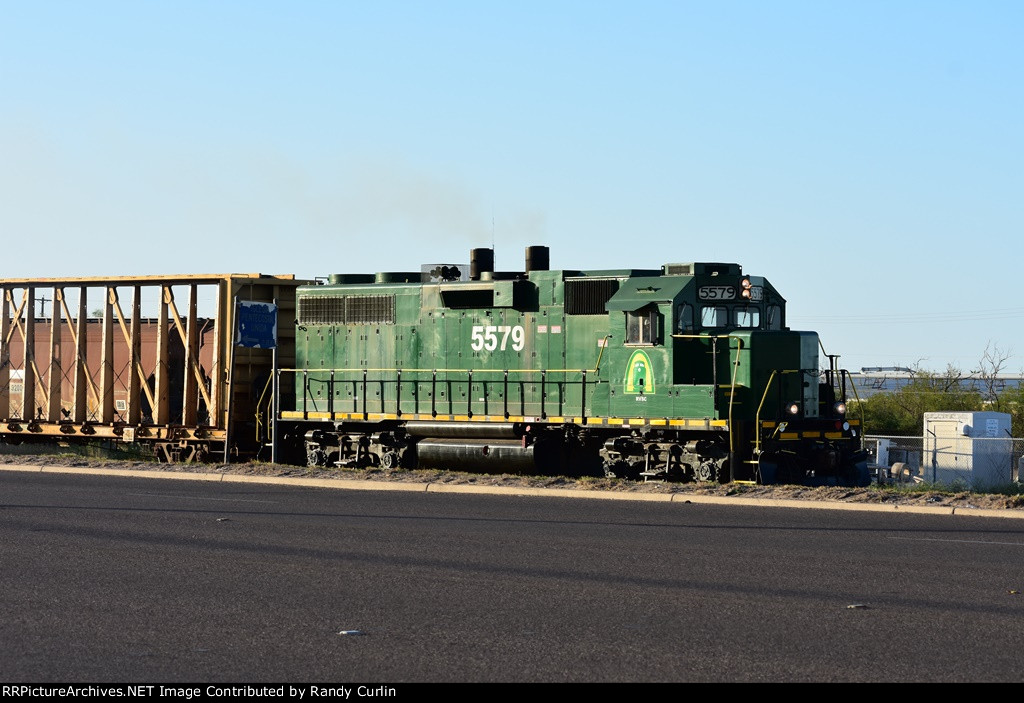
x: 70, y: 394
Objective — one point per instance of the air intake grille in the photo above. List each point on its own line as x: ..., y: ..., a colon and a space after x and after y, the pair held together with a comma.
x: 370, y: 310
x: 347, y: 310
x: 589, y: 296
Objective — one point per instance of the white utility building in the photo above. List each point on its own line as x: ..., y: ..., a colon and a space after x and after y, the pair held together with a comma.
x: 973, y: 449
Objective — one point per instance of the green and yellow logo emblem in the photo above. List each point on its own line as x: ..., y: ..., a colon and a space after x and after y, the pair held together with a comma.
x: 639, y: 374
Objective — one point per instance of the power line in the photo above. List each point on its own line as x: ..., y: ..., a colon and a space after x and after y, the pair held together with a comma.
x: 913, y: 317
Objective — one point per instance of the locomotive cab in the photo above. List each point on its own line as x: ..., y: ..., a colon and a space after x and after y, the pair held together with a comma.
x: 703, y: 343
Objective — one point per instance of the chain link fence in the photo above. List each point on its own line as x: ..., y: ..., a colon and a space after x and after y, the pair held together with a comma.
x: 968, y: 462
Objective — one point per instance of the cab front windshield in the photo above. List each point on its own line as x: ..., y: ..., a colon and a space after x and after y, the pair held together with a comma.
x: 740, y: 317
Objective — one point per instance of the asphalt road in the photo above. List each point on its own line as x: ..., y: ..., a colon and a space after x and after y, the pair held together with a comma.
x: 114, y: 579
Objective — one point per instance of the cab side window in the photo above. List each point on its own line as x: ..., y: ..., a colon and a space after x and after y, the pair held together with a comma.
x: 642, y: 326
x: 684, y: 319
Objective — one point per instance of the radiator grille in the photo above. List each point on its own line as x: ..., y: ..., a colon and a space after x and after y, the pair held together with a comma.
x: 589, y: 296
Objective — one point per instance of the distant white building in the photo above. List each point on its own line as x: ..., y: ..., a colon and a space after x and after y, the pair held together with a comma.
x: 871, y: 380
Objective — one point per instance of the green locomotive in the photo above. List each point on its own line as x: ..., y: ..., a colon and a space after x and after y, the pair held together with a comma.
x: 687, y: 373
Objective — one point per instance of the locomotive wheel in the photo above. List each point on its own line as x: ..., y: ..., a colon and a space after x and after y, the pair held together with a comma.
x: 316, y: 456
x: 616, y: 469
x: 712, y: 471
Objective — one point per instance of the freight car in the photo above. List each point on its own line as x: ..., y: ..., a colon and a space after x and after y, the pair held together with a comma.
x: 147, y: 361
x: 688, y: 372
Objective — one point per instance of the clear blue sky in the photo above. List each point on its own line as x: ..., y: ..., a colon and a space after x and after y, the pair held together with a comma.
x: 866, y: 157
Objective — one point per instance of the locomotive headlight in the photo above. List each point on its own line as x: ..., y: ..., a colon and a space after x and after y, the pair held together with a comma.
x: 839, y: 408
x: 745, y: 284
x: 793, y: 408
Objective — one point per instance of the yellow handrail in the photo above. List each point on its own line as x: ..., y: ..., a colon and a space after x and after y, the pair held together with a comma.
x: 764, y: 396
x: 600, y: 354
x: 860, y: 405
x: 732, y: 396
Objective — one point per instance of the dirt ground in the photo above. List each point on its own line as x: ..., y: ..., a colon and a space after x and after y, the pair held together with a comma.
x: 888, y: 494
